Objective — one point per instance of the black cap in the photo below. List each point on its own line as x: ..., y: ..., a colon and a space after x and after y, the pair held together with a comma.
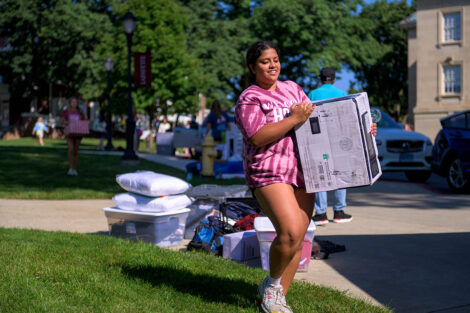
x: 327, y: 74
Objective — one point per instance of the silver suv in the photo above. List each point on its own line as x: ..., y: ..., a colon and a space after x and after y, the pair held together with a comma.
x: 403, y: 151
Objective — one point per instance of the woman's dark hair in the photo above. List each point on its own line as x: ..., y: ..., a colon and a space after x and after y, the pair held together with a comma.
x: 73, y: 98
x: 254, y: 51
x: 216, y: 108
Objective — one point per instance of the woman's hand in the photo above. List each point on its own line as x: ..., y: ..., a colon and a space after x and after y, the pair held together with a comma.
x: 373, y: 129
x: 301, y: 111
x: 272, y: 132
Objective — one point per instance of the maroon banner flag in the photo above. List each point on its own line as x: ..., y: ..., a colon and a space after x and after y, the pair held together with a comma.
x: 142, y: 69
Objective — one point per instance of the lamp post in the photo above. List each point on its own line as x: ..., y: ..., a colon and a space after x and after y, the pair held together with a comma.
x: 108, y: 65
x: 129, y: 22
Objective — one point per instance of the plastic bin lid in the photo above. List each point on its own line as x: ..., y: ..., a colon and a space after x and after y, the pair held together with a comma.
x: 116, y: 209
x: 215, y: 191
x: 263, y: 224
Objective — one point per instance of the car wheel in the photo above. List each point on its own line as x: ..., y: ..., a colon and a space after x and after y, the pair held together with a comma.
x: 455, y: 177
x: 418, y: 176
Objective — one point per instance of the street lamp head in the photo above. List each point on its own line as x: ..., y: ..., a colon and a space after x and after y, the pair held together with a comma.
x: 129, y: 22
x: 108, y: 64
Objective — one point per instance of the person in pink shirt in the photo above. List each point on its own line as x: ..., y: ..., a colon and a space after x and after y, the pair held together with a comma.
x: 72, y: 113
x: 266, y: 113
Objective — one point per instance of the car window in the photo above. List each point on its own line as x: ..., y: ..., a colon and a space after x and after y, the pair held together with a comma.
x: 456, y: 121
x: 387, y: 122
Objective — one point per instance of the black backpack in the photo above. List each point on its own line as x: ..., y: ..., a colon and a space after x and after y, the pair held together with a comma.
x: 237, y: 208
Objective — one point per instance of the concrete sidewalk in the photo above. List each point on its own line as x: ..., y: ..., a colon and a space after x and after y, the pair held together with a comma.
x: 173, y: 161
x: 82, y: 216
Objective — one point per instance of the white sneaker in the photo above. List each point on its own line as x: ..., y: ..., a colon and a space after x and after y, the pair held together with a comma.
x: 274, y: 300
x: 72, y: 172
x: 262, y: 286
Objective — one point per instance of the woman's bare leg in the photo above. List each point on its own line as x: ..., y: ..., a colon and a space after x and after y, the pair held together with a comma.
x: 70, y: 146
x: 288, y: 211
x: 76, y: 145
x: 306, y: 203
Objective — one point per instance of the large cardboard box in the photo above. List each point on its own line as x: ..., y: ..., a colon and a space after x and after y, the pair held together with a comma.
x: 335, y: 145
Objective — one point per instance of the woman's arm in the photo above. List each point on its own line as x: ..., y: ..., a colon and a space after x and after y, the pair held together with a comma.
x: 227, y: 121
x: 64, y: 120
x: 272, y: 132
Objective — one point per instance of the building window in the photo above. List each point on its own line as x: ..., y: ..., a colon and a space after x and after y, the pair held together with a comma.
x: 452, y: 28
x: 452, y: 79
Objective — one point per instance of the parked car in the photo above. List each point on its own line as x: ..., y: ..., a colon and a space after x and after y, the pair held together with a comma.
x: 402, y: 150
x: 451, y: 151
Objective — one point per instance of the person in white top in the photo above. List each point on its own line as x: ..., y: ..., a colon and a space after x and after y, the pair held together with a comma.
x: 164, y: 126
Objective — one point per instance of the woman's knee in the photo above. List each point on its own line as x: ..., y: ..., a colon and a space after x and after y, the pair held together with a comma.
x: 292, y: 237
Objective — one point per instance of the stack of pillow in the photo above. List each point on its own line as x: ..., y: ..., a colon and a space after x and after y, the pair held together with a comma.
x: 152, y: 192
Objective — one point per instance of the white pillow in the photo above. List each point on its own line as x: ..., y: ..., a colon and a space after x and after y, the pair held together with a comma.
x: 134, y: 202
x: 152, y: 184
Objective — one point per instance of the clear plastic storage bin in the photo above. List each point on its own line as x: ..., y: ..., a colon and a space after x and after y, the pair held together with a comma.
x: 266, y: 233
x: 163, y: 229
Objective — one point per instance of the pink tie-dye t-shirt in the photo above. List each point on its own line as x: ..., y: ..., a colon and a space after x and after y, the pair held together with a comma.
x: 276, y: 162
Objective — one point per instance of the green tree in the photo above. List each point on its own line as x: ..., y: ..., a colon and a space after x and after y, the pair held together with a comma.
x: 52, y: 42
x: 311, y: 34
x: 161, y: 30
x: 218, y: 35
x: 381, y: 62
x: 65, y: 42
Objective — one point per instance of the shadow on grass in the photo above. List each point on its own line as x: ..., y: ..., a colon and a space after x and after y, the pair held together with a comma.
x: 208, y: 287
x: 100, y: 233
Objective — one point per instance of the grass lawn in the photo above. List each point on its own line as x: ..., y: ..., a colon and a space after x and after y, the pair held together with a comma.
x: 65, y: 272
x: 29, y: 171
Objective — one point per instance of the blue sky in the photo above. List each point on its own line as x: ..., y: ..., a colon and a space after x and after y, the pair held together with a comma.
x: 345, y: 77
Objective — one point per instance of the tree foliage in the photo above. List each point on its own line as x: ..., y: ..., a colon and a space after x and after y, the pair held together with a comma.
x: 311, y: 34
x: 199, y: 46
x: 218, y: 35
x: 161, y: 30
x: 52, y: 42
x: 382, y: 65
x: 65, y: 42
